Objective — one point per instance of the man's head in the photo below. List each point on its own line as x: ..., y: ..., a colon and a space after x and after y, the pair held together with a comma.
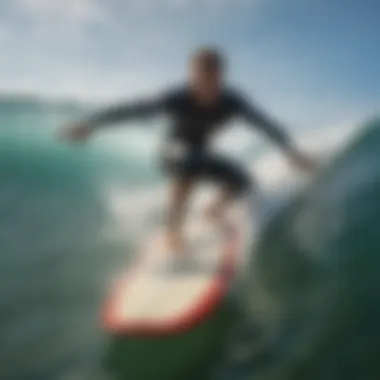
x: 206, y: 73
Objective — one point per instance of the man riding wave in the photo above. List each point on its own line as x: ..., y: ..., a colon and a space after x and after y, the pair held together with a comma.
x: 198, y: 109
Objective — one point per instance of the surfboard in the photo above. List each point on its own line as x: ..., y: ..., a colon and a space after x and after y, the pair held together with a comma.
x: 155, y: 298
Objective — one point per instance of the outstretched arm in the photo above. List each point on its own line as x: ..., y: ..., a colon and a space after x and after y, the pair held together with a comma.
x: 260, y: 120
x: 124, y: 112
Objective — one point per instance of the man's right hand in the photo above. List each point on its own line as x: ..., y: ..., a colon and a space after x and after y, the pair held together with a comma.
x: 78, y: 132
x: 302, y: 161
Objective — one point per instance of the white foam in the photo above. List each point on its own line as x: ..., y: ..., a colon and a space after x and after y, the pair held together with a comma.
x: 273, y: 170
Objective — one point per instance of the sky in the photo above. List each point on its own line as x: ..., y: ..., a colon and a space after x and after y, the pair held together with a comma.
x: 309, y: 62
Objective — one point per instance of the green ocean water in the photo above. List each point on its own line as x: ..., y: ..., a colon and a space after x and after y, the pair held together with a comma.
x: 70, y: 217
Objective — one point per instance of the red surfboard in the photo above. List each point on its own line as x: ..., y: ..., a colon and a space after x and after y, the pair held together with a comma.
x: 155, y: 298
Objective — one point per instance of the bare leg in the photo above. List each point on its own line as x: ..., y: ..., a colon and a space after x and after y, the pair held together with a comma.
x: 180, y: 192
x: 218, y: 210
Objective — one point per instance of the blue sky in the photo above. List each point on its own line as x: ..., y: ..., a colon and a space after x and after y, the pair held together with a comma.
x: 308, y: 62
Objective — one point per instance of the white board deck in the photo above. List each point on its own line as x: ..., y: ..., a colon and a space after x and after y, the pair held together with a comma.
x: 151, y: 299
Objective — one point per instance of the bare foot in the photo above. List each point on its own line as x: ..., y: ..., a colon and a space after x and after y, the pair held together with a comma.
x: 175, y: 243
x: 215, y: 214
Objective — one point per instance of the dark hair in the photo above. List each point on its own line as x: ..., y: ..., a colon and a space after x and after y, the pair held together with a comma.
x: 210, y: 57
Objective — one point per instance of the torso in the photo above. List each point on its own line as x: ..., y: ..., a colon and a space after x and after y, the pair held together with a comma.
x: 193, y: 124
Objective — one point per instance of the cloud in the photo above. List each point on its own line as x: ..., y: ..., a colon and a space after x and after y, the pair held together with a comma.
x: 48, y: 23
x: 5, y: 33
x: 179, y: 3
x: 65, y: 10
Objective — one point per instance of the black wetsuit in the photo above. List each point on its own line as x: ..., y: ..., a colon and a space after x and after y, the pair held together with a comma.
x: 193, y: 125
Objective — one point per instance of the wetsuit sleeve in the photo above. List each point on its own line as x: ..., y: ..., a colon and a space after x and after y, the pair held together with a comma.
x: 130, y: 111
x: 260, y: 120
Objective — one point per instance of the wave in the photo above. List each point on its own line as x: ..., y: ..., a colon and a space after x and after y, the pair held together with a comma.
x: 312, y: 291
x: 70, y: 215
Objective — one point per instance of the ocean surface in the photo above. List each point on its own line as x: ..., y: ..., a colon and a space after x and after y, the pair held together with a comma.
x: 71, y: 217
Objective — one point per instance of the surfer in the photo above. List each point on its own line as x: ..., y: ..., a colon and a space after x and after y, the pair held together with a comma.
x: 198, y: 109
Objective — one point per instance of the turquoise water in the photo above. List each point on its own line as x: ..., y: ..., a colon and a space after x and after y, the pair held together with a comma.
x: 70, y: 217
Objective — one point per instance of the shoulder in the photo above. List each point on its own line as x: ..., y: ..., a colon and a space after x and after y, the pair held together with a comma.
x: 175, y: 94
x: 235, y: 97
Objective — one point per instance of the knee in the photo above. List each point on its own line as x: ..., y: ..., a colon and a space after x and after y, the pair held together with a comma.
x: 241, y: 184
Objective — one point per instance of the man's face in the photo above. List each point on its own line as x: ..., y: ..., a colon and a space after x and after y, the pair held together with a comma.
x: 205, y: 79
